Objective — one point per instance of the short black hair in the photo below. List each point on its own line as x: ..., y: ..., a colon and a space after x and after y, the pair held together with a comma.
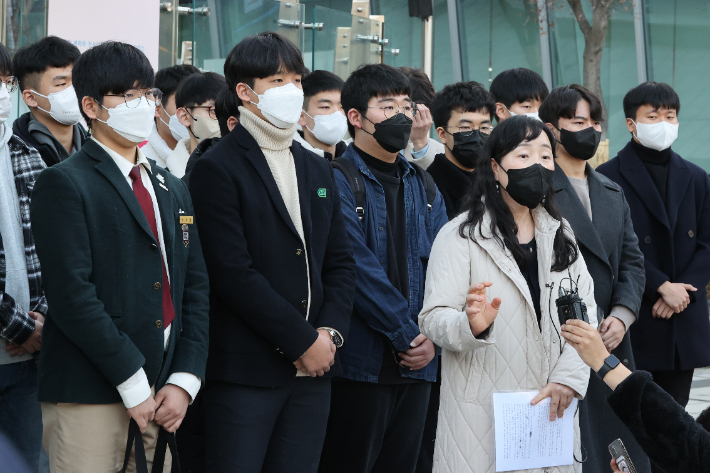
x: 169, y: 78
x: 5, y: 61
x: 39, y: 56
x: 317, y: 82
x: 372, y: 80
x: 110, y: 68
x: 461, y: 97
x: 422, y: 89
x: 199, y: 88
x: 562, y: 103
x: 518, y: 85
x: 261, y: 55
x: 226, y: 105
x: 656, y: 94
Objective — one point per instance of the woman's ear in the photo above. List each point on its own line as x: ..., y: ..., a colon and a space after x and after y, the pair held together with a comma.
x: 494, y: 167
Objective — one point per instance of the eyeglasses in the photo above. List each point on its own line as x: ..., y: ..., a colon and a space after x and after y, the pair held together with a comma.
x: 210, y: 110
x: 392, y: 109
x: 153, y: 96
x: 11, y: 83
x: 468, y: 130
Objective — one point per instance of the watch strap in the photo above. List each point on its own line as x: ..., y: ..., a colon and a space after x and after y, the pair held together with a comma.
x: 610, y: 363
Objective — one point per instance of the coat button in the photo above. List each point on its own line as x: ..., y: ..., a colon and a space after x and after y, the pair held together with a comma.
x: 298, y: 252
x: 153, y: 246
x: 158, y: 324
x: 304, y: 303
x: 382, y: 263
x: 691, y: 234
x: 157, y: 286
x: 382, y: 228
x: 647, y: 240
x: 625, y: 361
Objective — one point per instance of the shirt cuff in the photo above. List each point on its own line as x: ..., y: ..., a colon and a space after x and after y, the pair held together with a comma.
x: 420, y: 154
x: 624, y: 314
x: 135, y: 389
x: 187, y: 381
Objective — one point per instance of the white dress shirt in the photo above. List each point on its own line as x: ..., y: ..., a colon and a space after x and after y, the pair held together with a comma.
x: 136, y: 389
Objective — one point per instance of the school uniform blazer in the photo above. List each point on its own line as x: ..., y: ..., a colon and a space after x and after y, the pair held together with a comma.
x: 102, y: 270
x: 256, y: 261
x: 675, y: 239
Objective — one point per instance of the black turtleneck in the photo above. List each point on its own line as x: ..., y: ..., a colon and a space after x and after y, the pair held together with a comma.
x: 452, y: 181
x: 389, y: 177
x: 656, y: 162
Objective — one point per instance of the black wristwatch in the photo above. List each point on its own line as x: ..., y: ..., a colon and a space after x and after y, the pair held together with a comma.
x: 610, y: 363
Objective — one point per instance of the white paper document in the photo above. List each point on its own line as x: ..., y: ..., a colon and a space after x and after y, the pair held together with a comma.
x: 525, y: 437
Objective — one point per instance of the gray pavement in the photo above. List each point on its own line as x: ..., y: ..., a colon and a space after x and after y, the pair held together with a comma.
x: 700, y: 392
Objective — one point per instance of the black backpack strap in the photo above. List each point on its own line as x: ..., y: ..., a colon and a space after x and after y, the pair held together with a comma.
x: 429, y: 184
x: 354, y: 178
x: 164, y: 440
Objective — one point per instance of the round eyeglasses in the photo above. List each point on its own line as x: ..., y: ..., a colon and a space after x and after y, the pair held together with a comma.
x: 153, y: 96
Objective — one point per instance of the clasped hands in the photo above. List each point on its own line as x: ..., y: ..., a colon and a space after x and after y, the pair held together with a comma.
x: 674, y: 299
x: 168, y: 409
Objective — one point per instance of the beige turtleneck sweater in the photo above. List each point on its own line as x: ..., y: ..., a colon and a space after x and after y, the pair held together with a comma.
x: 275, y: 143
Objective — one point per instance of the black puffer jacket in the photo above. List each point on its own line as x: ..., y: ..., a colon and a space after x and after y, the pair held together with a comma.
x: 669, y: 435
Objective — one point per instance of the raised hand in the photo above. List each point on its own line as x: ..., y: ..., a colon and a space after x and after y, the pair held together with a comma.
x: 480, y: 312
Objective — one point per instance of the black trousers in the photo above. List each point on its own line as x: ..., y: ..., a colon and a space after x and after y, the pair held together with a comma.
x: 425, y: 463
x: 269, y: 430
x: 190, y: 438
x: 374, y: 428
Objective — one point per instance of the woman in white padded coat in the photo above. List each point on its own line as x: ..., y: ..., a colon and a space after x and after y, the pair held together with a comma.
x: 496, y: 333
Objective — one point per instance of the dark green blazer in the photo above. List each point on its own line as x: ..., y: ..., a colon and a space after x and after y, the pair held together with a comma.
x: 100, y: 268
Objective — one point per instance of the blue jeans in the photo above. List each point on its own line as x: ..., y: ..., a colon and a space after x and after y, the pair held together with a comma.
x: 20, y: 412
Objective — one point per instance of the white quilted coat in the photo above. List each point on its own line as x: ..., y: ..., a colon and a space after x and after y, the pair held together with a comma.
x: 515, y: 356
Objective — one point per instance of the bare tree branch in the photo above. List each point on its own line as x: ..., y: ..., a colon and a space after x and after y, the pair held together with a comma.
x: 584, y: 25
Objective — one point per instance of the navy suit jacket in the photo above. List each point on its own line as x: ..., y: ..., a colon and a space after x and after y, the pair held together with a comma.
x: 675, y: 239
x: 257, y: 263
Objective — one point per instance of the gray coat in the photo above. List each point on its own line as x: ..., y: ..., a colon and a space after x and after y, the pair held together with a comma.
x: 610, y: 250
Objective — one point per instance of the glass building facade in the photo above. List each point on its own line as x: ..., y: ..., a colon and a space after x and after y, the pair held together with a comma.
x: 661, y: 40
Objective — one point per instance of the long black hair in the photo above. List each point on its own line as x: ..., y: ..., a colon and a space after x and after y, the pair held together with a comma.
x: 485, y: 197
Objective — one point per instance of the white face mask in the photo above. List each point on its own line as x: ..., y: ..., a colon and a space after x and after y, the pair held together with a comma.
x: 5, y: 104
x: 134, y: 124
x: 329, y: 129
x: 531, y: 114
x: 63, y: 106
x: 205, y: 128
x: 177, y: 129
x: 658, y: 136
x: 281, y: 105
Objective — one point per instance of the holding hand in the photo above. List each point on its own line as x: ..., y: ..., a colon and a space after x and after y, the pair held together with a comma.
x: 661, y: 310
x: 171, y: 406
x: 143, y: 413
x: 675, y: 295
x: 421, y: 124
x: 612, y: 331
x: 560, y: 398
x: 319, y: 357
x: 587, y: 342
x: 479, y: 311
x: 421, y: 353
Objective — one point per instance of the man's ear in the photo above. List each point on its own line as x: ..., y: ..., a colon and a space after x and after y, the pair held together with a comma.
x: 441, y: 134
x: 90, y: 107
x: 232, y: 122
x: 554, y: 130
x: 302, y: 118
x: 184, y: 117
x: 630, y: 125
x: 500, y: 111
x: 158, y: 111
x: 355, y: 118
x: 29, y: 98
x: 243, y: 92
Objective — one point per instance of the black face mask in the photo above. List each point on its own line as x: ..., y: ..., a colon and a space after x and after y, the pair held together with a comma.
x: 467, y: 148
x: 581, y: 144
x: 528, y: 186
x: 393, y: 133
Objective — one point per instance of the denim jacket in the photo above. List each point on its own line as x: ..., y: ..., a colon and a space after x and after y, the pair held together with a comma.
x: 379, y: 306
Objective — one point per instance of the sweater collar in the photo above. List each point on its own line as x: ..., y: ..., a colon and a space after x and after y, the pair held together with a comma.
x: 266, y: 135
x: 454, y: 178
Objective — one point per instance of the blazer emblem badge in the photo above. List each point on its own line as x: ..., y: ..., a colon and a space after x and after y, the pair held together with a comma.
x: 185, y: 235
x: 322, y: 192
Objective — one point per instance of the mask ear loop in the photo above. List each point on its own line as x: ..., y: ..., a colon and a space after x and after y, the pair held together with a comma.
x: 637, y: 129
x: 189, y: 128
x: 252, y: 91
